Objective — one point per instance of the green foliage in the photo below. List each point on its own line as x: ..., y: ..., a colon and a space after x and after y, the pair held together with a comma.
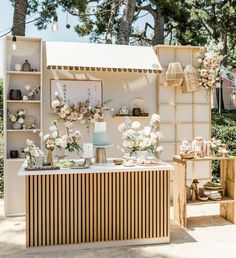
x: 224, y: 128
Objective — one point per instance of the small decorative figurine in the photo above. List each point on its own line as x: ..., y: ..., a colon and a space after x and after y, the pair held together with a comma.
x: 124, y: 110
x: 194, y: 190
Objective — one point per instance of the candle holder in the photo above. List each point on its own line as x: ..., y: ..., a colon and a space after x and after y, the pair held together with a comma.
x: 88, y: 162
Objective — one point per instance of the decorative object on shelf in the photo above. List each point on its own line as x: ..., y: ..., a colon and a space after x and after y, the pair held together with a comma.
x: 129, y: 163
x: 203, y: 198
x: 15, y: 94
x: 142, y: 153
x: 60, y: 154
x: 22, y: 154
x: 17, y: 119
x: 88, y: 154
x: 50, y: 157
x: 136, y: 139
x: 18, y: 67
x: 32, y: 93
x: 209, y: 60
x: 215, y: 196
x: 191, y: 80
x: 32, y: 151
x: 136, y: 111
x: 194, y: 190
x: 223, y: 150
x: 138, y: 106
x: 25, y: 98
x: 14, y: 154
x: 212, y: 185
x: 174, y: 75
x: 26, y: 67
x: 199, y: 145
x: 124, y: 111
x: 29, y: 122
x: 186, y: 150
x: 215, y: 146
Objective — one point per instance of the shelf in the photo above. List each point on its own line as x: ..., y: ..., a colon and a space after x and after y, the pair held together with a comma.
x: 24, y: 101
x: 23, y: 73
x: 18, y: 159
x: 197, y: 202
x: 131, y: 117
x: 21, y: 130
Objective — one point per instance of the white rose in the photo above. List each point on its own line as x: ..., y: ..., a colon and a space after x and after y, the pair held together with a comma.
x: 54, y: 134
x: 155, y: 118
x: 13, y: 119
x: 29, y: 142
x: 125, y: 143
x: 52, y: 128
x: 56, y: 93
x: 58, y: 142
x: 147, y: 130
x: 33, y: 152
x: 121, y: 127
x: 55, y: 103
x: 21, y: 113
x: 46, y: 137
x: 135, y: 125
x: 82, y: 121
x: 41, y: 134
x: 159, y: 148
x: 130, y: 144
x: 20, y: 120
x: 68, y: 124
x: 27, y: 87
x: 147, y: 142
x: 63, y: 144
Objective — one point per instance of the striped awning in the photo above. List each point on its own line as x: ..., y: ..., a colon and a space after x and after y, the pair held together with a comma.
x: 101, y: 57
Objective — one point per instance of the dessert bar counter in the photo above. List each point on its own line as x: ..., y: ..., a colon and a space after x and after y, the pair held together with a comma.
x: 104, y: 205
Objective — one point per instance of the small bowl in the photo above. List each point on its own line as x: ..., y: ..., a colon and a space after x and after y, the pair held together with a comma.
x: 203, y: 198
x: 118, y: 161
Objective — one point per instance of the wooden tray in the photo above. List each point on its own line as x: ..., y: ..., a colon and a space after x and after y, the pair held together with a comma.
x: 41, y: 168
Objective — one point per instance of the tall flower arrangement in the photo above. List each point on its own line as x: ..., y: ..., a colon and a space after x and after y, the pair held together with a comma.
x: 136, y: 139
x: 32, y: 152
x: 209, y: 60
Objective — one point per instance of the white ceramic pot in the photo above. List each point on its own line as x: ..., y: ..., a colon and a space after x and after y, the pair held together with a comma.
x: 18, y: 67
x: 16, y: 126
x: 142, y: 154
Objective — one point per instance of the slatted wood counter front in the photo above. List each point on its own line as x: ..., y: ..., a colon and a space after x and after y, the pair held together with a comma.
x: 95, y: 208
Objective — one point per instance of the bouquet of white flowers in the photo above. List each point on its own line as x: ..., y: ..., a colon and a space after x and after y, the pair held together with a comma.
x: 18, y: 117
x: 32, y: 152
x: 137, y: 139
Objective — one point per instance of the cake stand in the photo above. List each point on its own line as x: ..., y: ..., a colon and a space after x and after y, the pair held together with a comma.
x: 101, y: 153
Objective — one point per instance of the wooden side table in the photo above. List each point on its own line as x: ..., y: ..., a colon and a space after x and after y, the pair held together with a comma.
x: 227, y: 179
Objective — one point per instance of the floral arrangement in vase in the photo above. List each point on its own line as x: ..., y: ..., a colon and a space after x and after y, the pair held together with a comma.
x: 209, y: 60
x: 17, y: 118
x: 83, y: 112
x: 68, y: 140
x: 135, y: 138
x: 32, y: 93
x: 32, y: 152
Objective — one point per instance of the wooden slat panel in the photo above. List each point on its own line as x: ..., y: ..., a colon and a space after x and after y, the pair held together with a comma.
x: 51, y: 211
x: 27, y: 200
x: 67, y: 209
x: 83, y: 208
x: 44, y: 210
x: 63, y: 209
x: 79, y: 209
x: 59, y: 210
x: 48, y: 209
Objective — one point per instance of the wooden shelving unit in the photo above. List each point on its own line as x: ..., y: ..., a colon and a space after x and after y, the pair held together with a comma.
x: 227, y: 178
x: 30, y: 49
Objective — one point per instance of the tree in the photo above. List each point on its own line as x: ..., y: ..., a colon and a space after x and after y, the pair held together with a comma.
x: 19, y: 17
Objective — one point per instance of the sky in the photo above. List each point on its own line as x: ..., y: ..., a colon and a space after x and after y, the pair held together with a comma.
x: 63, y: 34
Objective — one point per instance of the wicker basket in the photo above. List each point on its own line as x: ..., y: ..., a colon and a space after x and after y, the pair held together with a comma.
x: 191, y: 80
x: 174, y: 75
x: 187, y: 155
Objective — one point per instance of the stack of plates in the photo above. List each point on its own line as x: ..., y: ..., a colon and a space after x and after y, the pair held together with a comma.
x: 215, y: 196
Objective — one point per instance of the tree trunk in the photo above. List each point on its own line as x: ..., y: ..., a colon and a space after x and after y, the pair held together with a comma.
x: 109, y: 33
x: 19, y: 18
x: 159, y: 23
x: 126, y: 22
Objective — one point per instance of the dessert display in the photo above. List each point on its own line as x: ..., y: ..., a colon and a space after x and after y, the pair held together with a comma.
x: 100, y: 135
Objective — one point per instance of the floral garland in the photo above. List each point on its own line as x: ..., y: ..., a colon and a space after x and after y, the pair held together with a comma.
x: 209, y: 60
x: 83, y: 112
x: 136, y: 139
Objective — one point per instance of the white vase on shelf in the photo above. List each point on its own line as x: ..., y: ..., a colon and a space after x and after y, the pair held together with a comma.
x: 16, y: 126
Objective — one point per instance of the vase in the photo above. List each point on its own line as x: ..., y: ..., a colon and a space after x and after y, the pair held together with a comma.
x: 16, y: 126
x: 15, y: 94
x: 144, y: 154
x: 61, y: 154
x: 30, y: 161
x: 49, y: 158
x: 14, y: 154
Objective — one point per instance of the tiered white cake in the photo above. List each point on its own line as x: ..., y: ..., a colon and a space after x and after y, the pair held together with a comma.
x: 100, y: 135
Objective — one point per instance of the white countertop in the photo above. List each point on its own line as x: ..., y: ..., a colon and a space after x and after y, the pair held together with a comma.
x: 97, y: 168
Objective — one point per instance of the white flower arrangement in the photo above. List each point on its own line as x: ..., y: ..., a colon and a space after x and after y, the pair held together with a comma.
x: 32, y: 92
x: 66, y: 140
x: 19, y: 116
x: 32, y: 151
x: 83, y: 112
x: 209, y: 61
x: 137, y: 139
